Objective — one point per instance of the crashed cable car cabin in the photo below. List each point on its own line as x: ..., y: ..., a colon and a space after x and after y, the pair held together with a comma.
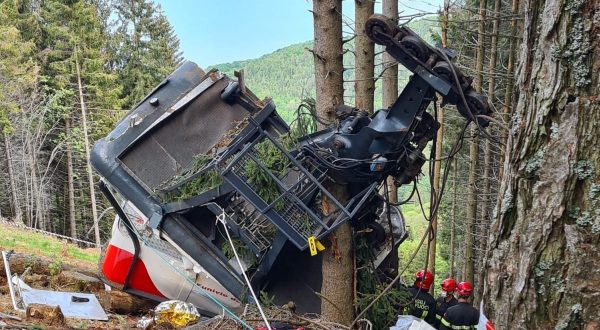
x: 201, y: 156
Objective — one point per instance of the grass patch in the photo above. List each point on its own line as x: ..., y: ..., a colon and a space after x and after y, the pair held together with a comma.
x: 26, y: 241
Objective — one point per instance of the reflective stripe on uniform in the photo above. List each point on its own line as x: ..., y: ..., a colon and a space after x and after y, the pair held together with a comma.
x: 458, y: 327
x: 424, y: 315
x: 438, y: 316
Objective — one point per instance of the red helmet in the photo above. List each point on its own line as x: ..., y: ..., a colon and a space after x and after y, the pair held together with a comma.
x: 465, y: 289
x: 449, y: 285
x: 423, y: 279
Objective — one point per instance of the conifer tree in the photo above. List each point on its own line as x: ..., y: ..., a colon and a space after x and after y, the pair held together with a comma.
x: 147, y: 48
x: 74, y: 35
x: 18, y: 75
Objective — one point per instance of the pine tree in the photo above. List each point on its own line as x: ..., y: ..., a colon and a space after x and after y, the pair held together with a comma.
x: 18, y: 76
x: 76, y: 80
x: 147, y: 48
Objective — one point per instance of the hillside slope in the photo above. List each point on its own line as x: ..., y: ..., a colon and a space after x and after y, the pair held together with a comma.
x: 287, y: 75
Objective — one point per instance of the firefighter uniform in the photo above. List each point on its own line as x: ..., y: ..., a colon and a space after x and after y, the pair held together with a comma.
x: 462, y: 316
x: 423, y: 306
x: 441, y: 305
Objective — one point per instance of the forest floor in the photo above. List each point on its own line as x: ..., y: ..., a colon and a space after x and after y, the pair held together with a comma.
x: 57, y: 265
x: 61, y: 266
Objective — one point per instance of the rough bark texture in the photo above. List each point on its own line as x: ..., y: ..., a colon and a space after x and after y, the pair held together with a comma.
x: 508, y: 93
x: 364, y: 87
x: 390, y: 83
x: 487, y: 157
x: 124, y: 303
x: 337, y: 287
x: 474, y: 155
x: 328, y: 57
x: 469, y: 260
x: 543, y: 269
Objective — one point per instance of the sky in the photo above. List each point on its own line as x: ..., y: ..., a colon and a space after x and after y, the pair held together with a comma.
x: 221, y: 31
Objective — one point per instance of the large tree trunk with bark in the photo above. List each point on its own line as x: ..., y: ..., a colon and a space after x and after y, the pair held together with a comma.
x: 337, y: 287
x: 487, y: 158
x: 544, y: 260
x: 389, y: 84
x: 469, y: 269
x: 328, y: 57
x: 364, y: 86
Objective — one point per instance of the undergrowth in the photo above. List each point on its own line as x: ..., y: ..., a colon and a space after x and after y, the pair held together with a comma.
x: 370, y: 285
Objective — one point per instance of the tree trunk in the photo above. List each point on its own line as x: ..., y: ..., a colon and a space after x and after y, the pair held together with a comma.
x: 337, y: 269
x: 508, y: 93
x: 474, y: 155
x: 436, y: 192
x: 86, y: 143
x: 444, y: 23
x: 328, y: 57
x: 438, y: 164
x: 487, y: 158
x: 364, y: 86
x: 18, y: 215
x: 390, y: 83
x: 545, y: 253
x: 36, y: 214
x: 70, y: 188
x: 469, y: 242
x: 453, y: 226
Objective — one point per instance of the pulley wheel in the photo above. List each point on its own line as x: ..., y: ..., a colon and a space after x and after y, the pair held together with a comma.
x: 416, y: 47
x: 477, y: 103
x: 444, y: 71
x: 380, y: 29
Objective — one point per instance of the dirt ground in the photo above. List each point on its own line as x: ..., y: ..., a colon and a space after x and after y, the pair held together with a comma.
x: 123, y: 310
x: 73, y: 277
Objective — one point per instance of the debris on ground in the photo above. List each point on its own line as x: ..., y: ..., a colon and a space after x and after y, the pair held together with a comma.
x: 410, y: 322
x: 277, y: 316
x: 48, y: 315
x: 145, y: 322
x: 123, y: 309
x: 176, y: 313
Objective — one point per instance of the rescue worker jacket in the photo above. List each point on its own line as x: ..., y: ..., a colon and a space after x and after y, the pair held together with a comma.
x: 423, y: 305
x: 441, y: 305
x: 461, y: 316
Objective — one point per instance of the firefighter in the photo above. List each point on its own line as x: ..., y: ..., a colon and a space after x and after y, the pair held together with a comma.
x: 445, y: 301
x: 423, y: 305
x: 462, y: 315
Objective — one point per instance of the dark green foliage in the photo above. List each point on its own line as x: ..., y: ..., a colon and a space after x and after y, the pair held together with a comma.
x: 385, y: 311
x: 242, y: 250
x: 145, y: 47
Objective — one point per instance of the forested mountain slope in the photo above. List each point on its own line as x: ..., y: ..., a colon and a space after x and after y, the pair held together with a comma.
x: 286, y: 75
